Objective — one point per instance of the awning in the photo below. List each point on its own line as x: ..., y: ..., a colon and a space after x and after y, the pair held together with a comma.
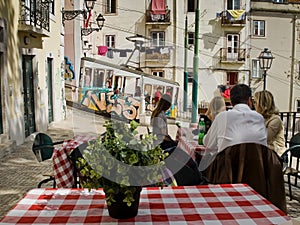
x: 158, y: 7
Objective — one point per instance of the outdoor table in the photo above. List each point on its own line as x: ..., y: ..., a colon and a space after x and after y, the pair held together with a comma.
x: 207, y: 204
x: 188, y: 142
x: 62, y: 164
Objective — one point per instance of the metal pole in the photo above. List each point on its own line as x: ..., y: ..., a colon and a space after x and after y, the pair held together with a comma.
x: 292, y: 64
x: 185, y: 73
x: 265, y: 75
x: 195, y: 68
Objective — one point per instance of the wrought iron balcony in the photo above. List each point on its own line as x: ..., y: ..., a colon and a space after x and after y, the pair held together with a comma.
x: 34, y: 14
x: 161, y: 53
x: 161, y: 19
x: 228, y: 20
x: 236, y: 55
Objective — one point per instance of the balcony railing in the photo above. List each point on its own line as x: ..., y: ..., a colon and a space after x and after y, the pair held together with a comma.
x: 291, y: 121
x: 158, y: 53
x: 228, y: 20
x: 151, y: 18
x: 232, y: 54
x: 35, y: 13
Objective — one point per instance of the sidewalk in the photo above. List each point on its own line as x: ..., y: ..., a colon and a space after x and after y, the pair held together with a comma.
x: 20, y: 171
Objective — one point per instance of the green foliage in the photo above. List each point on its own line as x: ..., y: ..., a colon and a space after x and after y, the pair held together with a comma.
x: 117, y: 160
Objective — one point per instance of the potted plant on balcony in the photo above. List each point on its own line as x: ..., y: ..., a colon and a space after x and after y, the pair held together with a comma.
x: 122, y: 164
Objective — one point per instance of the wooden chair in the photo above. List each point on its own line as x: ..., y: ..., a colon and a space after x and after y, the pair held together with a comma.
x: 253, y: 164
x: 292, y: 157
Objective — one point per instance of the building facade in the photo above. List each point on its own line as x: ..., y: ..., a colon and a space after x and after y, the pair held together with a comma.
x: 31, y: 57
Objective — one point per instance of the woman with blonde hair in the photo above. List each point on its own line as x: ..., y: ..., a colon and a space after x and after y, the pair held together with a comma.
x: 265, y: 105
x: 216, y: 105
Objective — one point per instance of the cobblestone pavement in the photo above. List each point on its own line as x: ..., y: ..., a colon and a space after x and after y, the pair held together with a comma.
x: 20, y: 171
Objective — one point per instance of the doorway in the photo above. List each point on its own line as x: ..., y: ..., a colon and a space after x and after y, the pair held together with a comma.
x: 29, y: 115
x: 50, y: 88
x: 232, y: 78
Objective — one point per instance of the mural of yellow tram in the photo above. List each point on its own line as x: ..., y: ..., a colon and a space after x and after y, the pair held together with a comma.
x: 121, y: 91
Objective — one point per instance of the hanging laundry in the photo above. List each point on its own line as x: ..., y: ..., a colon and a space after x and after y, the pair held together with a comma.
x: 123, y: 53
x: 219, y: 15
x: 102, y: 50
x: 236, y: 14
x: 158, y: 7
x: 164, y: 50
x: 149, y: 51
x: 110, y: 54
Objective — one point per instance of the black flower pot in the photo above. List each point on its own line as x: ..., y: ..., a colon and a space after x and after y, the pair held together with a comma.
x: 120, y: 209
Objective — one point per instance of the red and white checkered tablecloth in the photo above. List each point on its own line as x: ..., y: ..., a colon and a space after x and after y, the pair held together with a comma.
x: 208, y: 204
x: 62, y: 164
x: 188, y: 142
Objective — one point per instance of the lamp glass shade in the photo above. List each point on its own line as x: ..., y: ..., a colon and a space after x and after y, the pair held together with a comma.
x: 100, y: 21
x: 89, y: 4
x: 265, y: 59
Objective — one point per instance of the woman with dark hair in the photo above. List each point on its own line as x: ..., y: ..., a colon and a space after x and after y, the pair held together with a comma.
x: 160, y: 124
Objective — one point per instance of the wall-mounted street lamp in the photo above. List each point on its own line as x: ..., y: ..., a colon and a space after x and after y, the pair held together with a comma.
x: 72, y: 14
x: 100, y: 22
x: 265, y: 62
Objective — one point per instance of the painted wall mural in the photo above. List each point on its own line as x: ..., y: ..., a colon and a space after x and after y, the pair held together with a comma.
x: 109, y: 102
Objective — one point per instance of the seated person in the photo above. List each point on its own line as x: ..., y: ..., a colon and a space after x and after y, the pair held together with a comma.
x: 265, y: 105
x: 216, y: 105
x: 160, y: 125
x: 236, y: 126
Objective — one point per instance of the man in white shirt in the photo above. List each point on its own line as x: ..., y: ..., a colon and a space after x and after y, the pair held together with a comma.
x: 236, y: 126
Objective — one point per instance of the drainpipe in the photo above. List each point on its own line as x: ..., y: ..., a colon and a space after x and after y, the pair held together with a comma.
x: 292, y: 64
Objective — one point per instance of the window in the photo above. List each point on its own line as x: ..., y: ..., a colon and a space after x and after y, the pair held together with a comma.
x: 191, y: 38
x: 258, y: 28
x: 233, y: 4
x: 158, y: 73
x: 158, y: 38
x: 298, y: 105
x: 110, y: 41
x: 279, y: 1
x: 191, y: 5
x: 98, y: 78
x: 256, y: 71
x: 111, y: 6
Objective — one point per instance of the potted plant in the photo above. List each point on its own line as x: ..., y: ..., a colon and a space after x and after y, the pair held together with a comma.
x: 121, y: 162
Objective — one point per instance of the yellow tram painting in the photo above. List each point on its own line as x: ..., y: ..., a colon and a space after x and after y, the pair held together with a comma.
x: 121, y: 91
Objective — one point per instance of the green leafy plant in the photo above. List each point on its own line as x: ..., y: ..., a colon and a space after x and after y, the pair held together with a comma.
x: 121, y: 161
